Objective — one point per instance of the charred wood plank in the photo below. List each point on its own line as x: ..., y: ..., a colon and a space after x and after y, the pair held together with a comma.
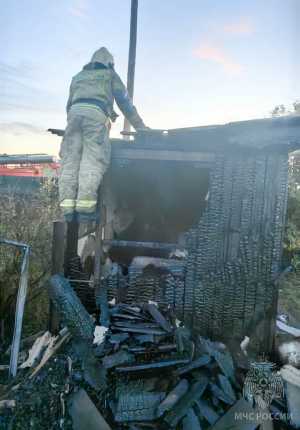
x: 145, y: 338
x: 128, y: 317
x: 158, y: 317
x: 227, y: 387
x: 182, y: 337
x: 191, y: 421
x: 136, y: 325
x: 186, y: 402
x: 118, y: 338
x: 84, y: 413
x: 147, y: 154
x: 120, y: 357
x: 173, y: 397
x: 138, y: 406
x: 220, y: 394
x: 199, y: 362
x: 145, y: 245
x: 225, y: 363
x: 153, y: 365
x: 153, y: 349
x: 130, y: 309
x: 138, y: 330
x: 207, y: 412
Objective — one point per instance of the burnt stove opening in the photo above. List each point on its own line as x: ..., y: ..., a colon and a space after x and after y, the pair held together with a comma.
x: 156, y: 202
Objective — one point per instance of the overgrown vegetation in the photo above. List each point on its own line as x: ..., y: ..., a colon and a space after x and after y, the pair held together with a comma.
x: 292, y: 236
x: 26, y: 218
x: 289, y: 292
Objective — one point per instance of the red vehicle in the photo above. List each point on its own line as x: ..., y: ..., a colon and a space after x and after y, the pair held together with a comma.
x: 29, y: 165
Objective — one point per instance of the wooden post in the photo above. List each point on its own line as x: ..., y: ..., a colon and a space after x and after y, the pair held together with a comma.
x: 71, y: 245
x: 58, y: 241
x: 98, y: 257
x: 100, y: 290
x: 131, y: 56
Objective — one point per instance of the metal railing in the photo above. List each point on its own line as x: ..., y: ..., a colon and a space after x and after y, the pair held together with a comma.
x: 21, y: 298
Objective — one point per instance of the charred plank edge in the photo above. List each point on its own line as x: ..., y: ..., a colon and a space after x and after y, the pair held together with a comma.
x: 154, y: 365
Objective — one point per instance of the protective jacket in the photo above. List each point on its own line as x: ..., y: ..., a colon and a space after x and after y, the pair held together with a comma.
x: 99, y: 85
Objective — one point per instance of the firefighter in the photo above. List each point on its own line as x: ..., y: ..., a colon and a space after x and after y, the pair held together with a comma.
x: 85, y: 149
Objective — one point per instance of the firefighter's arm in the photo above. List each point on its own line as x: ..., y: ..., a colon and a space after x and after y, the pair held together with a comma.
x: 70, y: 99
x: 125, y: 104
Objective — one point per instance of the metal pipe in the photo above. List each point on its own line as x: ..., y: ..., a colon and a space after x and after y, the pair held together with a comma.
x: 13, y: 243
x: 131, y: 57
x: 20, y: 306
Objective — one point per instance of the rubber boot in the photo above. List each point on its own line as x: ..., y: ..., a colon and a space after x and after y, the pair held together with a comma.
x: 84, y: 217
x: 67, y: 207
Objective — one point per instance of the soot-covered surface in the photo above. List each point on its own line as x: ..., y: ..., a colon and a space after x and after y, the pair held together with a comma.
x: 165, y: 199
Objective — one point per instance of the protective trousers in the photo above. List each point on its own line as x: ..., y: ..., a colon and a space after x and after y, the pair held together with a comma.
x: 85, y: 154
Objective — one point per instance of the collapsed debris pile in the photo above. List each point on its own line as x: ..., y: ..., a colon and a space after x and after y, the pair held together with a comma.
x: 143, y: 370
x: 151, y: 371
x: 159, y: 374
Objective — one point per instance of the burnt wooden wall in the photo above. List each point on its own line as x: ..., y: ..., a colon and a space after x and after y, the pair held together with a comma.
x: 226, y: 286
x: 235, y: 250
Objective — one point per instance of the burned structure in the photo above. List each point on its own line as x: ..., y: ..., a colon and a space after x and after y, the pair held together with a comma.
x: 194, y: 219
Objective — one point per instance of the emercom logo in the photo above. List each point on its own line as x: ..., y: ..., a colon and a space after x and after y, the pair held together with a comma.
x: 263, y: 384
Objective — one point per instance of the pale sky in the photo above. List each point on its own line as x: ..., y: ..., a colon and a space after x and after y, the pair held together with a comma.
x: 199, y: 62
